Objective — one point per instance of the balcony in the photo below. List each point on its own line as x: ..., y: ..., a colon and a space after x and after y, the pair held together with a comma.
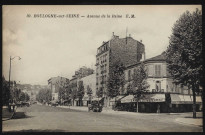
x: 158, y: 91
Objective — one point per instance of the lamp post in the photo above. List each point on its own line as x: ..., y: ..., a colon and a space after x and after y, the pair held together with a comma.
x: 10, y: 70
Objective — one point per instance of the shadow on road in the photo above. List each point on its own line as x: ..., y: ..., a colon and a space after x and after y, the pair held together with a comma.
x: 198, y: 117
x: 20, y: 115
x: 38, y: 130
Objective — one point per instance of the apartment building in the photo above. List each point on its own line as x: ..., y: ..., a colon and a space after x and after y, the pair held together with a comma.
x: 54, y: 83
x: 128, y: 50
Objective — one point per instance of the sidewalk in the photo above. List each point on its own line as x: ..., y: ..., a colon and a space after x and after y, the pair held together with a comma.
x: 190, y: 121
x: 6, y: 115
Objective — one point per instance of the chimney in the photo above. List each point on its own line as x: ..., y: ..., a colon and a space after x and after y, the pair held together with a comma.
x: 129, y: 35
x: 113, y: 34
x: 140, y: 40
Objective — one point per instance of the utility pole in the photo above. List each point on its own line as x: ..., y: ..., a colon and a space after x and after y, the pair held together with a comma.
x: 10, y: 74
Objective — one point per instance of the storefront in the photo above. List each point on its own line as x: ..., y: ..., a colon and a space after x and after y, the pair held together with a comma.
x: 127, y: 103
x: 150, y: 103
x: 85, y: 100
x: 184, y: 103
x: 77, y: 102
x: 115, y: 99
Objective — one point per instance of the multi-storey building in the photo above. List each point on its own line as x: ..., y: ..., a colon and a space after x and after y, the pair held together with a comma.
x: 128, y: 50
x: 54, y: 84
x: 83, y: 72
x: 89, y: 82
x: 162, y: 90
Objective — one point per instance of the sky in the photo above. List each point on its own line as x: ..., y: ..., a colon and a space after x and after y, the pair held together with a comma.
x: 51, y: 47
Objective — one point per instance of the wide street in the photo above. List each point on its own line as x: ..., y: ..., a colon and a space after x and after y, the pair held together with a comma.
x: 42, y: 118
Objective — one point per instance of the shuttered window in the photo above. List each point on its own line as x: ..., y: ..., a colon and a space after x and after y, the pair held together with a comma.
x: 158, y: 70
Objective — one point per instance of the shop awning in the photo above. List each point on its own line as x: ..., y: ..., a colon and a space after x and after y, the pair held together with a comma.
x: 117, y: 98
x: 97, y: 99
x: 127, y: 99
x: 153, y: 98
x: 181, y: 99
x: 198, y: 99
x: 187, y: 99
x: 145, y: 98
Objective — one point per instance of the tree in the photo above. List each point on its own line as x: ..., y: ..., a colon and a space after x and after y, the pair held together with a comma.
x: 44, y: 95
x: 27, y: 97
x: 89, y: 92
x: 22, y: 96
x: 129, y: 89
x: 99, y: 92
x: 62, y: 86
x: 68, y: 92
x: 5, y: 92
x: 184, y: 53
x: 80, y: 91
x: 16, y: 94
x: 116, y: 79
x: 139, y: 83
x: 73, y: 94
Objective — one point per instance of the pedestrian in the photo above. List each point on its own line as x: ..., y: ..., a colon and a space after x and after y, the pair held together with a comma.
x: 158, y: 108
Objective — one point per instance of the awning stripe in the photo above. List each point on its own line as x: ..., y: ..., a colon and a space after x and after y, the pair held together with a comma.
x: 184, y: 99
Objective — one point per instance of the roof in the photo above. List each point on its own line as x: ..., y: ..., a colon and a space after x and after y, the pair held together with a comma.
x: 157, y: 58
x: 160, y: 57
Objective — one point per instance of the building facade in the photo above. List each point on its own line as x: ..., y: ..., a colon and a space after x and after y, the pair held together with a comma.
x: 89, y: 82
x: 83, y: 73
x: 163, y: 94
x: 128, y: 50
x: 54, y: 84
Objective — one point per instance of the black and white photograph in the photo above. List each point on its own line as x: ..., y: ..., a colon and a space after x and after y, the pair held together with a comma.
x: 102, y: 68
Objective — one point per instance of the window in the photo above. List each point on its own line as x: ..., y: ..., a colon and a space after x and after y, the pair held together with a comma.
x: 105, y: 47
x: 158, y: 86
x: 158, y: 70
x: 129, y: 75
x: 105, y: 57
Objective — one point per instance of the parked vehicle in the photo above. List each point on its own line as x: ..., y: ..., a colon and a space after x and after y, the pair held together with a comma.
x: 95, y: 106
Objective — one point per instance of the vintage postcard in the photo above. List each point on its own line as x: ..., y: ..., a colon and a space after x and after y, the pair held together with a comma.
x: 102, y: 68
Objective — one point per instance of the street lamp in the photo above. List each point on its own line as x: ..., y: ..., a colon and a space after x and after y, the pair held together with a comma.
x: 10, y: 69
